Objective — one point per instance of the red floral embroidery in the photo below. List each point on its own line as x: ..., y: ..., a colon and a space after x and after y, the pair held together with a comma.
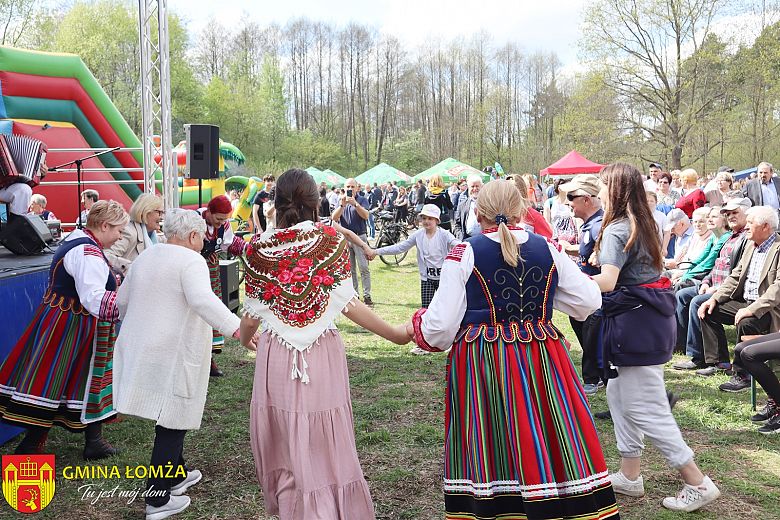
x: 294, y: 281
x: 286, y: 234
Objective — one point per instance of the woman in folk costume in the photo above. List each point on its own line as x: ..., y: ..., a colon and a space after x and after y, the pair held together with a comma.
x: 60, y: 371
x: 301, y: 431
x: 219, y: 237
x: 520, y: 441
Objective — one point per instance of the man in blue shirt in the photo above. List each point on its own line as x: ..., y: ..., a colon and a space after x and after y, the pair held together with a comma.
x: 352, y: 213
x: 679, y: 225
x: 582, y: 194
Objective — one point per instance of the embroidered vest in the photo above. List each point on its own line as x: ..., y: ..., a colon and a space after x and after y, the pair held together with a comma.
x: 516, y: 302
x: 62, y: 287
x: 211, y: 244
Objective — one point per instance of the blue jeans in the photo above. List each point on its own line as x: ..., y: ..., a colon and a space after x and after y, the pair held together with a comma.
x: 683, y: 297
x: 688, y: 323
x: 695, y: 344
x: 371, y: 226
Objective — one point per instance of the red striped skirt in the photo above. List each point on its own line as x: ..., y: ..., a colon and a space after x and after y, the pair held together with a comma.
x: 520, y: 441
x: 59, y: 372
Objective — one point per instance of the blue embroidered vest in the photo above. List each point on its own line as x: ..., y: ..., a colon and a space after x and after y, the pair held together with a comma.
x: 62, y: 287
x: 516, y: 302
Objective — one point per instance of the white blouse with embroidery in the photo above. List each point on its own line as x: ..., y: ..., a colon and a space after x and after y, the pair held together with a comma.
x: 90, y: 271
x: 576, y: 294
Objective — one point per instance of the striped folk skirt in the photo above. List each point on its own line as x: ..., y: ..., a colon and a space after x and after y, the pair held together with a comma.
x: 520, y: 441
x: 59, y: 372
x: 217, y: 339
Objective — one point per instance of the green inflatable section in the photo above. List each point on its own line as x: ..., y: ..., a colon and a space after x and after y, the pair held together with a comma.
x: 68, y: 111
x: 70, y: 66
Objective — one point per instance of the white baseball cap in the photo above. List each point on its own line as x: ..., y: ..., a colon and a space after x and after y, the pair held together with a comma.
x: 431, y: 210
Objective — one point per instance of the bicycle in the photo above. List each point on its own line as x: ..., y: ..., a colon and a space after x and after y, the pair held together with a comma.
x: 392, y: 233
x: 412, y: 218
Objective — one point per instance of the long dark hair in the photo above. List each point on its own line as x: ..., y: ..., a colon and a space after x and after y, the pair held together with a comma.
x: 628, y: 200
x: 297, y: 198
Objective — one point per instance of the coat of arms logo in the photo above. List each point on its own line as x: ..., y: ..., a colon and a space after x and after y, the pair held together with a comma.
x: 28, y: 481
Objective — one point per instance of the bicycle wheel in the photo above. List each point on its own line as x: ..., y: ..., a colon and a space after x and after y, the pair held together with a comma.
x: 390, y: 236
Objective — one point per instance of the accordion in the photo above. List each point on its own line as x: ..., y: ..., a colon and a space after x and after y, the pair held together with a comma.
x: 22, y: 159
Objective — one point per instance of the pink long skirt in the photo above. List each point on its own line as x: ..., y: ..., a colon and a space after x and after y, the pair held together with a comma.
x: 303, y: 436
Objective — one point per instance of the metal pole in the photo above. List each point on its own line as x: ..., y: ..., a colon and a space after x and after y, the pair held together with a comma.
x: 78, y: 192
x: 156, y: 99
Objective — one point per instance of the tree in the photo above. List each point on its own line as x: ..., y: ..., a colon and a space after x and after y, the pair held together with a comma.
x: 16, y: 16
x: 641, y: 47
x: 272, y: 109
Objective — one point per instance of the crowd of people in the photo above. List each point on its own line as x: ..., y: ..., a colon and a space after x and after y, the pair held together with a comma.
x: 643, y: 266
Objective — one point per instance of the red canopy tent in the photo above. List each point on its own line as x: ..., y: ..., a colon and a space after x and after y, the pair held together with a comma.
x: 570, y: 164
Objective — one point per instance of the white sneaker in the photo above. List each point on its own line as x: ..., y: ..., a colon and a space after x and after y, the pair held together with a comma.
x: 176, y: 504
x: 417, y: 351
x: 193, y: 477
x: 691, y: 498
x: 621, y: 484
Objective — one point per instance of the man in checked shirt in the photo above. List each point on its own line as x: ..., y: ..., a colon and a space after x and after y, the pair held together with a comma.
x: 750, y: 296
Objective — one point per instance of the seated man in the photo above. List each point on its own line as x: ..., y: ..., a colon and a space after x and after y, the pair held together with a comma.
x: 17, y: 195
x: 690, y: 299
x: 750, y: 297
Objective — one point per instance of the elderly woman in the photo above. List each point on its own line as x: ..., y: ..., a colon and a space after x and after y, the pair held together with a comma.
x: 59, y: 372
x: 164, y: 376
x: 140, y: 233
x: 38, y: 207
x: 718, y: 194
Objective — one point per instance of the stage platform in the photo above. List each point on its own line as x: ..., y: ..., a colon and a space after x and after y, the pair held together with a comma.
x: 23, y: 281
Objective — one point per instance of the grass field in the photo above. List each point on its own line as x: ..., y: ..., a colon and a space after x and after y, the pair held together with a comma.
x: 398, y: 407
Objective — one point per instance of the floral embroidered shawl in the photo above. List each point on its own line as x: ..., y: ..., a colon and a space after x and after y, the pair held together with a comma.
x: 298, y: 281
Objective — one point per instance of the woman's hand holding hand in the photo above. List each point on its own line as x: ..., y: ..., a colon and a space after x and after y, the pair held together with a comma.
x: 409, y: 329
x: 252, y: 345
x: 402, y: 336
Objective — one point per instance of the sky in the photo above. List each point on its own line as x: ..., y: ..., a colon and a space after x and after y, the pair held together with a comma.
x: 551, y: 25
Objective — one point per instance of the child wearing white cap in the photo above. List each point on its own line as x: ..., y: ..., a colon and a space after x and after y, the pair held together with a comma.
x: 433, y: 243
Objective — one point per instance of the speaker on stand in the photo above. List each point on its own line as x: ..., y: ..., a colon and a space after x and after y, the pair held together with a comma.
x: 202, y: 154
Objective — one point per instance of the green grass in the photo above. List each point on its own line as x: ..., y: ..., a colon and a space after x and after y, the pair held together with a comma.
x: 398, y: 407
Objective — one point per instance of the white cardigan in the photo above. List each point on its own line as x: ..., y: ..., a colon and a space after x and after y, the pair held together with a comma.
x: 162, y: 355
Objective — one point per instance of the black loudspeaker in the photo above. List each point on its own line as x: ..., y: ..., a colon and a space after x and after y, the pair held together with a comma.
x: 26, y: 235
x: 202, y: 151
x: 229, y: 276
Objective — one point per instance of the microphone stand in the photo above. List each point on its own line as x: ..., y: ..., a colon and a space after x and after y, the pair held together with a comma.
x: 78, y: 163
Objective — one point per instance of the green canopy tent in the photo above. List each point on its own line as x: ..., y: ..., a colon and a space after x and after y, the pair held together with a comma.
x: 332, y: 178
x: 382, y: 173
x: 450, y: 171
x: 329, y: 177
